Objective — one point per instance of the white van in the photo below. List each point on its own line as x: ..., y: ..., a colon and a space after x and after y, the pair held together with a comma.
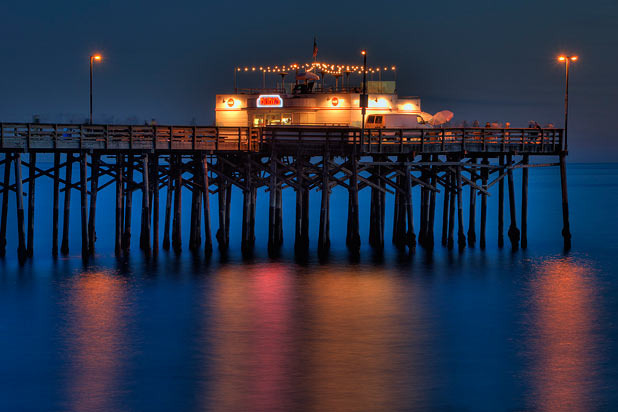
x: 395, y: 121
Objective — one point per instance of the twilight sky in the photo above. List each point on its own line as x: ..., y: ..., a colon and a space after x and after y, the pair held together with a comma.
x: 485, y: 60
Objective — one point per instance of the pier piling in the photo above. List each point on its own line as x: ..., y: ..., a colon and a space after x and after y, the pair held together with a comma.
x: 94, y: 189
x: 472, y: 204
x: 501, y: 204
x: 31, y: 196
x: 513, y: 231
x: 68, y: 186
x: 19, y: 191
x: 524, y: 203
x: 566, y: 227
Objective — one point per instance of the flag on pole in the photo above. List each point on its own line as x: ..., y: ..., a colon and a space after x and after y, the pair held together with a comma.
x: 315, y: 48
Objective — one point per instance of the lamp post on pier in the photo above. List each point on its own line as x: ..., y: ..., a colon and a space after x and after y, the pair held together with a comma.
x: 363, y: 97
x: 566, y: 60
x: 95, y: 57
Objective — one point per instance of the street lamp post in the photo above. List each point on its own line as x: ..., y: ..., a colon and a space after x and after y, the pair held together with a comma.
x: 566, y: 60
x: 93, y: 58
x: 363, y: 98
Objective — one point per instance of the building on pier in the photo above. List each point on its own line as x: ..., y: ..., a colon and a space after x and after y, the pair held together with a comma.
x: 321, y: 94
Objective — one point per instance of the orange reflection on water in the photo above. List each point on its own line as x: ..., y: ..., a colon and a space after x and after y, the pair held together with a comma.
x: 329, y: 339
x: 252, y: 307
x: 96, y: 332
x: 563, y: 346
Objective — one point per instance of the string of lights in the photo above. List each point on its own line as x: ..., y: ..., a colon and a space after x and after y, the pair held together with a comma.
x: 332, y: 69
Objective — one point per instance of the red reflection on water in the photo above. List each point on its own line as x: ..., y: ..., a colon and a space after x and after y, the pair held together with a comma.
x: 563, y: 342
x: 96, y: 335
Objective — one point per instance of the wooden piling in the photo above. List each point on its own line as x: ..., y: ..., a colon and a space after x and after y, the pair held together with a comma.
x: 247, y: 229
x: 31, y: 196
x: 94, y: 189
x: 119, y: 203
x: 410, y: 237
x: 353, y: 235
x: 461, y: 237
x: 206, y: 203
x: 55, y: 204
x: 445, y: 207
x: 168, y: 204
x: 155, y: 204
x: 513, y: 232
x: 19, y: 195
x: 221, y: 197
x: 424, y: 204
x: 68, y: 186
x: 272, y: 205
x: 146, y: 205
x: 324, y: 229
x: 195, y: 211
x: 128, y: 207
x: 484, y: 179
x: 176, y: 224
x: 83, y: 187
x: 566, y: 227
x: 472, y: 217
x: 524, y: 203
x: 8, y: 158
x: 429, y: 235
x: 501, y: 205
x: 451, y: 211
x: 278, y: 214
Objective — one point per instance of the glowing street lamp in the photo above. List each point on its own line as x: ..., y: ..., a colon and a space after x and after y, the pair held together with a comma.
x: 95, y: 57
x: 566, y: 60
x: 363, y: 97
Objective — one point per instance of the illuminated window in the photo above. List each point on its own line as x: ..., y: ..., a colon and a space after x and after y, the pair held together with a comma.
x: 286, y: 118
x: 258, y: 120
x: 273, y: 119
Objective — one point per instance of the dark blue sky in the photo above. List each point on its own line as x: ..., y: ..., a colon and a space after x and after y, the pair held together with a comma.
x: 485, y: 60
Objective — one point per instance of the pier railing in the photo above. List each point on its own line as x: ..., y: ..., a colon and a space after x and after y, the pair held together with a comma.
x: 34, y: 136
x: 434, y: 140
x: 67, y: 137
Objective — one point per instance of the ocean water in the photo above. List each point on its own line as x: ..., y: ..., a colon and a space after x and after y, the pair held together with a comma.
x: 492, y: 330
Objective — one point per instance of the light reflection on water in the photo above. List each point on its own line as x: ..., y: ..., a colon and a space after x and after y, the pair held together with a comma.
x: 95, y: 334
x: 332, y: 340
x: 562, y: 341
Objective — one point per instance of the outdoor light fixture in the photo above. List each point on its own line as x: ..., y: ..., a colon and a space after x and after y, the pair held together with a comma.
x: 95, y: 57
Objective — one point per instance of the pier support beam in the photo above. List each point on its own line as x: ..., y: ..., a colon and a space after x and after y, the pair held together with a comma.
x: 154, y: 182
x: 128, y: 208
x: 566, y: 227
x: 68, y: 186
x: 31, y: 196
x: 8, y: 158
x: 324, y: 229
x: 94, y: 189
x: 55, y: 204
x: 524, y: 203
x: 461, y: 237
x: 445, y: 208
x: 501, y: 205
x: 424, y: 204
x: 146, y: 205
x: 429, y: 236
x: 451, y: 211
x: 353, y: 241
x: 83, y: 178
x: 410, y: 237
x: 472, y: 218
x: 176, y: 224
x: 119, y: 203
x: 484, y: 179
x: 301, y: 241
x: 19, y: 192
x: 248, y: 212
x: 195, y: 227
x: 168, y: 204
x: 272, y: 206
x: 206, y: 202
x: 376, y: 215
x: 513, y: 231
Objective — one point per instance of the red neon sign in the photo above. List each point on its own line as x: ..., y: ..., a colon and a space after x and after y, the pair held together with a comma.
x: 269, y: 100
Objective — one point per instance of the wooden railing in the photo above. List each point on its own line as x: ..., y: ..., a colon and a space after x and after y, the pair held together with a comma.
x: 34, y: 136
x: 476, y: 139
x: 49, y: 137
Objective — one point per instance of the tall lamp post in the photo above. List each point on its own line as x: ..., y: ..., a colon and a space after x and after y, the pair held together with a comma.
x: 363, y: 97
x: 566, y: 60
x: 95, y: 57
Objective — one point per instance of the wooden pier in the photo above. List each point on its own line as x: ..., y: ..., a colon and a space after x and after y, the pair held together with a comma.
x: 205, y: 161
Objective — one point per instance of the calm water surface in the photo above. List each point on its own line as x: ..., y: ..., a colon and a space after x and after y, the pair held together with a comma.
x: 478, y: 331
